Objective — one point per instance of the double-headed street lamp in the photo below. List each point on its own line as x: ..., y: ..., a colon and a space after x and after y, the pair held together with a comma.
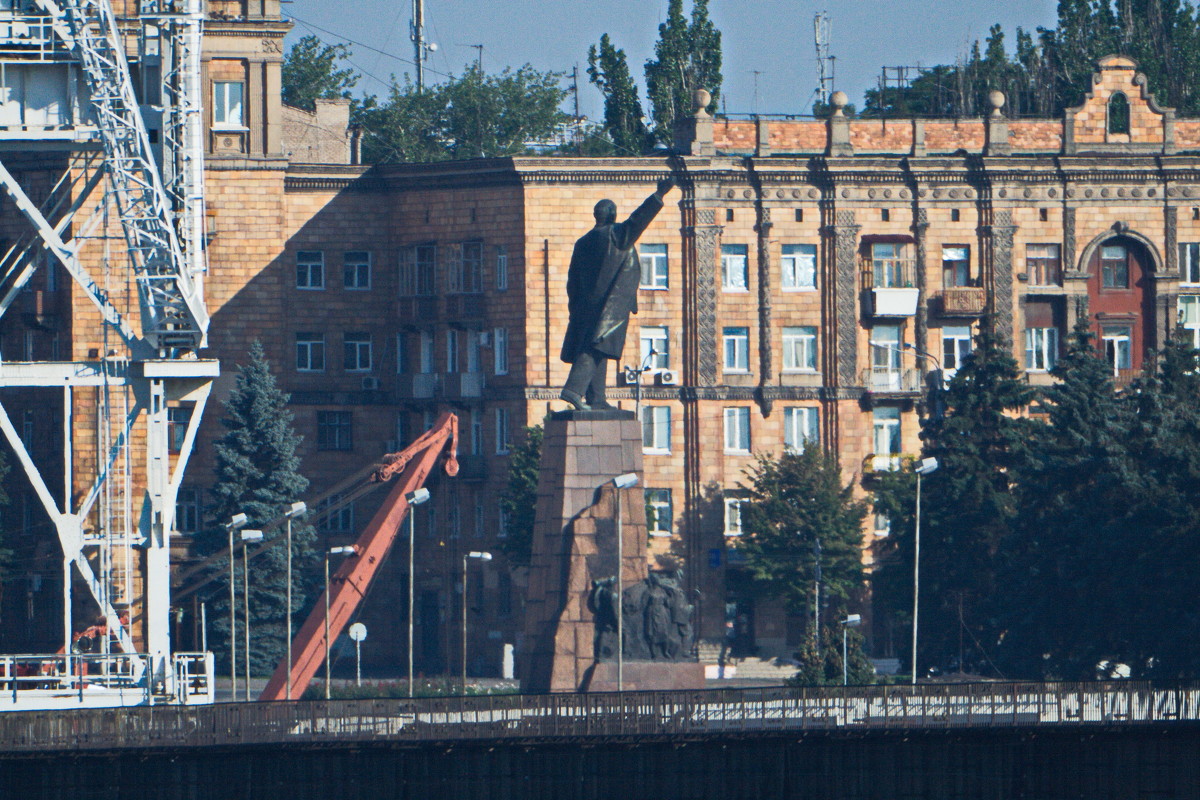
x: 626, y: 481
x: 414, y: 498
x: 478, y: 556
x: 344, y: 550
x: 248, y: 536
x: 925, y: 467
x: 295, y: 510
x: 236, y: 523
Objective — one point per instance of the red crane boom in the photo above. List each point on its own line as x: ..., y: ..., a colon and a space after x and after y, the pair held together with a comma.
x: 349, y: 585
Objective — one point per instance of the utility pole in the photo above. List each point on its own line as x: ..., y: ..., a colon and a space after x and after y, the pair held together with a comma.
x: 479, y: 57
x: 418, y: 38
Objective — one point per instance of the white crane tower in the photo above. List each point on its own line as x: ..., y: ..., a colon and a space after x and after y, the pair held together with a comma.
x: 132, y: 173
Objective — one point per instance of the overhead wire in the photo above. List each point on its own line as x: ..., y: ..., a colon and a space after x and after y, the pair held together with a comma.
x: 357, y: 43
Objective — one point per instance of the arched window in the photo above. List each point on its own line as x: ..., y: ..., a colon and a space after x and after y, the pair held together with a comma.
x: 1118, y: 113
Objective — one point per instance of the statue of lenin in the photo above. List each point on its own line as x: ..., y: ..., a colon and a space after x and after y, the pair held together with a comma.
x: 602, y: 286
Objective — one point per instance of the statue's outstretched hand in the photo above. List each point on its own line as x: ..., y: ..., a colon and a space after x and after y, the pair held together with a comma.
x: 664, y: 186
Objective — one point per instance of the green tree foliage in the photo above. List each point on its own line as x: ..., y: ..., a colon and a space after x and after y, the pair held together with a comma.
x: 687, y: 57
x: 969, y: 507
x: 822, y: 666
x: 258, y: 474
x: 472, y: 116
x: 1044, y: 76
x: 518, y: 500
x: 798, y: 510
x: 623, y: 123
x: 311, y: 73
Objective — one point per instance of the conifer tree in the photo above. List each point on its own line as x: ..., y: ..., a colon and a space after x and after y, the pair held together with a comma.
x: 799, y: 517
x: 687, y: 57
x: 608, y: 70
x: 258, y: 474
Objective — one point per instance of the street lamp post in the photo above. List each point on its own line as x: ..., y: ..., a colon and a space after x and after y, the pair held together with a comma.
x: 851, y: 621
x: 346, y: 550
x: 479, y: 556
x: 626, y: 481
x: 296, y: 510
x: 414, y: 498
x: 927, y: 466
x: 236, y: 523
x: 247, y: 537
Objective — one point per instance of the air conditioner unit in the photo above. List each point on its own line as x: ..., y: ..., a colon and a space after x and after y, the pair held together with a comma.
x: 370, y: 383
x: 628, y: 377
x: 485, y: 338
x: 665, y: 378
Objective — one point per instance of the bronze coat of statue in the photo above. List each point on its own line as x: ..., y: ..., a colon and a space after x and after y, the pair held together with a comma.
x: 602, y: 286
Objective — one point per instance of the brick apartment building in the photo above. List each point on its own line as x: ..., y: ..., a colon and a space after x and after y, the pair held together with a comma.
x: 780, y: 285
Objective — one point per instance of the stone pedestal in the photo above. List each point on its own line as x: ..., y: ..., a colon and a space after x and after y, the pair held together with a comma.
x: 642, y: 676
x: 574, y: 541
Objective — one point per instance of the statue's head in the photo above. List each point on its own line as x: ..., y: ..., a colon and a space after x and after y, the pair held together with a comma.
x: 605, y: 212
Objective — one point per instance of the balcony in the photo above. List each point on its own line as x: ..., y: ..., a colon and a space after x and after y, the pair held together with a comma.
x: 963, y: 301
x: 418, y: 310
x: 465, y: 308
x: 884, y: 462
x: 462, y: 385
x: 888, y: 381
x: 419, y: 386
x: 472, y: 468
x: 889, y: 289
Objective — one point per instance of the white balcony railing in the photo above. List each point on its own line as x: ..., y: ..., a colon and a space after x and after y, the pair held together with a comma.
x: 888, y: 379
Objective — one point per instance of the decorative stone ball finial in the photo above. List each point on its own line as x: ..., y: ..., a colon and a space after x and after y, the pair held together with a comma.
x: 700, y: 102
x: 839, y: 100
x: 997, y: 99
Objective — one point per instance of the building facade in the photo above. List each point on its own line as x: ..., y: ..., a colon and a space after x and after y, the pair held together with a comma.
x: 795, y: 292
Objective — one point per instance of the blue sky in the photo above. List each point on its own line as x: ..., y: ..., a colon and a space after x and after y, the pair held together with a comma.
x: 772, y: 37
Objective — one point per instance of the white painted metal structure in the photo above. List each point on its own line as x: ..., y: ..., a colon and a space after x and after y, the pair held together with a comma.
x: 156, y: 193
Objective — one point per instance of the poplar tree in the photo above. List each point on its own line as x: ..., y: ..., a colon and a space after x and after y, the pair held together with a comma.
x: 310, y: 72
x: 687, y: 57
x: 258, y: 474
x: 623, y: 123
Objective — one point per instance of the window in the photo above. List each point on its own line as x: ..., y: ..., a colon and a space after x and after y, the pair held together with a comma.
x: 955, y: 215
x: 883, y: 525
x: 799, y: 265
x: 417, y: 270
x: 356, y: 352
x: 178, y: 418
x: 956, y: 344
x: 654, y: 266
x: 956, y: 265
x: 733, y: 516
x: 426, y: 352
x: 187, y: 509
x: 885, y: 348
x: 1189, y: 262
x: 656, y: 429
x: 800, y: 426
x: 1114, y: 266
x: 500, y: 351
x: 502, y: 431
x: 480, y: 524
x: 452, y: 350
x: 501, y: 523
x: 471, y: 278
x: 800, y: 349
x: 735, y: 268
x: 886, y: 429
x: 1041, y: 348
x: 1043, y: 265
x: 227, y: 104
x: 356, y: 270
x: 888, y: 265
x: 737, y: 349
x: 476, y: 432
x: 885, y: 215
x: 334, y: 430
x: 310, y: 352
x: 501, y: 268
x: 1118, y: 113
x: 504, y: 594
x: 1189, y: 316
x: 737, y: 430
x: 310, y: 269
x: 402, y: 437
x: 1118, y: 346
x: 339, y: 520
x: 658, y: 512
x: 655, y: 340
x: 473, y: 361
x: 402, y: 364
